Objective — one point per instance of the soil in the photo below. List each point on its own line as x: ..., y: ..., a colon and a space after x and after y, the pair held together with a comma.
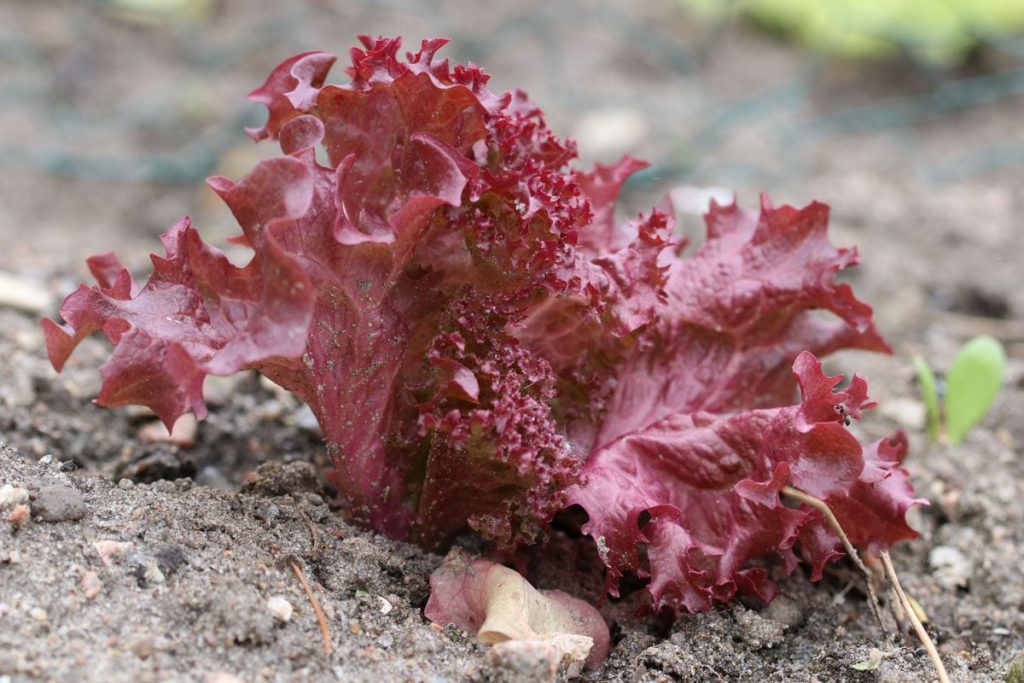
x: 148, y: 560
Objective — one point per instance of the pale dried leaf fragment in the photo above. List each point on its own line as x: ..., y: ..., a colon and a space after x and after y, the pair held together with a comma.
x: 498, y: 605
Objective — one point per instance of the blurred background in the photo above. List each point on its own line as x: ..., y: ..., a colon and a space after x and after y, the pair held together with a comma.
x: 904, y: 115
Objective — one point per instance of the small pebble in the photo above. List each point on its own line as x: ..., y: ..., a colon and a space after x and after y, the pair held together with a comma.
x: 221, y: 677
x: 19, y: 515
x: 142, y: 647
x: 109, y: 551
x: 12, y: 495
x: 305, y: 420
x: 125, y: 483
x: 906, y: 412
x: 169, y: 558
x: 183, y: 434
x: 24, y: 294
x: 611, y: 132
x: 149, y: 574
x: 757, y: 631
x: 695, y: 200
x: 786, y: 611
x: 385, y: 606
x: 280, y: 608
x: 59, y: 503
x: 950, y: 567
x: 10, y: 663
x: 38, y: 613
x: 91, y: 585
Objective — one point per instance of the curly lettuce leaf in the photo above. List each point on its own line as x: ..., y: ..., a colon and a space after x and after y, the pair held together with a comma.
x: 700, y: 492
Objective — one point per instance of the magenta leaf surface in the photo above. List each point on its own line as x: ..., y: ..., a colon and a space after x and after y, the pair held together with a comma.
x: 496, y: 604
x: 701, y: 492
x: 484, y: 344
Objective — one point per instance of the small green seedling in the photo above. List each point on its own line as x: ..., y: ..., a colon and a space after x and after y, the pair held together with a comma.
x: 972, y: 383
x: 873, y: 662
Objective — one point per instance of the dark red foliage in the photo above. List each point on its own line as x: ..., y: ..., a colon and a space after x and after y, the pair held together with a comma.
x: 484, y: 345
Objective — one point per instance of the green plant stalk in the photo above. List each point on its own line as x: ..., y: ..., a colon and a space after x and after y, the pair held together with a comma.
x: 930, y: 395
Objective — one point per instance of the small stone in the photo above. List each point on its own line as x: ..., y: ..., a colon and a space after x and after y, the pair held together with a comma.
x: 305, y: 420
x: 39, y: 614
x: 906, y: 412
x: 59, y: 503
x: 691, y: 199
x: 786, y: 611
x: 148, y: 573
x: 273, y: 478
x: 109, y: 551
x: 142, y: 647
x: 221, y: 677
x: 19, y: 516
x: 125, y: 483
x: 10, y: 663
x: 182, y: 435
x: 611, y: 132
x: 218, y: 390
x: 25, y: 295
x: 385, y: 606
x: 91, y: 585
x: 280, y: 608
x: 950, y: 567
x: 385, y: 641
x: 244, y: 618
x: 12, y: 495
x: 169, y: 558
x: 165, y: 486
x: 757, y: 631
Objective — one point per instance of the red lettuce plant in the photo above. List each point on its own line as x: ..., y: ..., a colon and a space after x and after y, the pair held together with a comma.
x: 484, y: 345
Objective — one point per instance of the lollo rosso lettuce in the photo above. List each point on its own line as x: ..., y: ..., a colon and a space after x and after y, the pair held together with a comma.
x: 484, y: 345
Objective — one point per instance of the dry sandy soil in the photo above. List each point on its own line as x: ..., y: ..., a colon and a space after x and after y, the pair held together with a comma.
x: 146, y: 561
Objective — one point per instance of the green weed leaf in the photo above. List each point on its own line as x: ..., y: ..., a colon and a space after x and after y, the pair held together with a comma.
x: 929, y: 394
x: 972, y: 384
